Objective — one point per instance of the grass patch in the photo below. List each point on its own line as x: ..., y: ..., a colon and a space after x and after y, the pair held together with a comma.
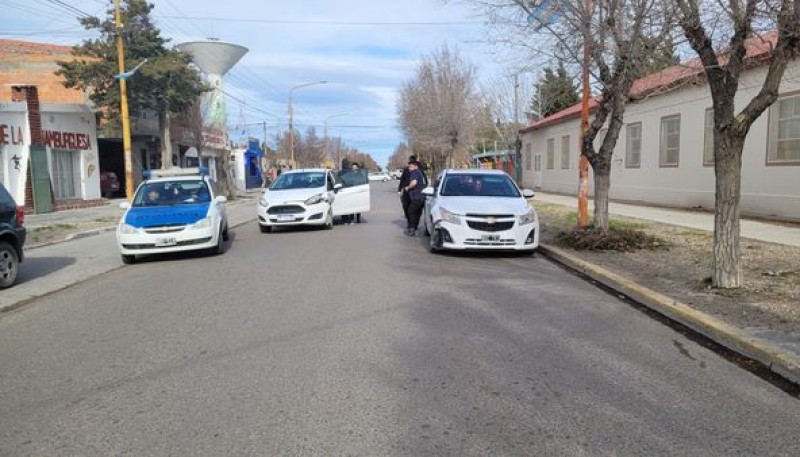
x: 53, y: 228
x: 613, y: 239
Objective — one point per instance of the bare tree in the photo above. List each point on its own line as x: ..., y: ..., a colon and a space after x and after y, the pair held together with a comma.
x: 399, y: 157
x: 438, y: 106
x: 736, y: 23
x: 619, y: 35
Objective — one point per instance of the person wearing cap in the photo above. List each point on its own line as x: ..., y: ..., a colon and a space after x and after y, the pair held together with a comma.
x: 416, y: 199
x: 404, y: 180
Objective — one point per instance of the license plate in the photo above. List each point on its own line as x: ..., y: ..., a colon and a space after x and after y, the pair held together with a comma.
x: 490, y: 237
x: 285, y: 217
x: 161, y: 242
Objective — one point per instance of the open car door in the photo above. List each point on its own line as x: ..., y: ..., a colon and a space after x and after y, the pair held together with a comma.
x: 353, y: 197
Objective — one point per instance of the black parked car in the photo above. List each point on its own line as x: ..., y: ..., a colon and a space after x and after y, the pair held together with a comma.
x: 12, y: 238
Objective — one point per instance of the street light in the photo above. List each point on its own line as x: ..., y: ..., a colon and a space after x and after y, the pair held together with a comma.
x: 327, y: 142
x: 291, y: 127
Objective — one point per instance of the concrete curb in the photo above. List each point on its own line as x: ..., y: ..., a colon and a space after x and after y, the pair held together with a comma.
x: 780, y: 361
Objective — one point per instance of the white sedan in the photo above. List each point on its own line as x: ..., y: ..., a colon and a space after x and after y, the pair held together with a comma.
x: 480, y: 210
x: 379, y: 176
x: 313, y: 197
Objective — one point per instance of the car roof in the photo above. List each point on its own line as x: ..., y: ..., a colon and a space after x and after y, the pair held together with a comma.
x: 304, y: 170
x: 176, y: 178
x: 475, y: 171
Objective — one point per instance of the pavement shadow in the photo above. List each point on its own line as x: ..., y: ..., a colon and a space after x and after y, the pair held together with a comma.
x: 36, y: 267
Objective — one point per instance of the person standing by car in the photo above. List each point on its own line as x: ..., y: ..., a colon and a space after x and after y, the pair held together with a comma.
x: 404, y: 181
x: 416, y: 200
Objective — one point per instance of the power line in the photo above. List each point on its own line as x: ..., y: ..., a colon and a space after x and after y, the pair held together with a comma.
x: 334, y: 23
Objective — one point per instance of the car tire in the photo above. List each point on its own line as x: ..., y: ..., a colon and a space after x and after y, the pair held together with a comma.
x: 225, y: 235
x: 9, y: 265
x: 432, y: 243
x: 220, y: 247
x: 128, y: 259
x: 264, y: 228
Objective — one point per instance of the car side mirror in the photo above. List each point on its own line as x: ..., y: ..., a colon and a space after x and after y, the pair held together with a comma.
x: 527, y: 193
x: 337, y: 186
x: 124, y: 205
x: 428, y: 191
x: 221, y: 199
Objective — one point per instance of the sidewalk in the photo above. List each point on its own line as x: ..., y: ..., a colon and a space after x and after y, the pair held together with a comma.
x: 758, y: 230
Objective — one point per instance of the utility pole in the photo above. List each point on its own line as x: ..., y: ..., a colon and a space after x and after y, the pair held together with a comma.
x: 517, y: 141
x: 123, y: 90
x: 325, y: 135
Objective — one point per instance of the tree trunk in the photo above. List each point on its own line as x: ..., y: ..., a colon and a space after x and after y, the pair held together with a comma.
x: 728, y: 170
x: 166, y: 141
x: 602, y: 182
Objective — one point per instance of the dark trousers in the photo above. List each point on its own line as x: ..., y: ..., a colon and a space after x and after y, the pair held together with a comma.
x: 414, y: 213
x: 405, y: 200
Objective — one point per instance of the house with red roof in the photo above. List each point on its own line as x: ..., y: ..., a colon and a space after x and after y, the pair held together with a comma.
x: 664, y: 154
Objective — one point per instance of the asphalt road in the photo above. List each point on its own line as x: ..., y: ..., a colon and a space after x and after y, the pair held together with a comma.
x: 356, y: 341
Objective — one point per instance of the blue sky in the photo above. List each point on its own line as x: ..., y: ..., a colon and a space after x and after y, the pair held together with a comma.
x: 365, y: 48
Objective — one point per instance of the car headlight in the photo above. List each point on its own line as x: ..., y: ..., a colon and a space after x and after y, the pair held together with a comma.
x: 450, y: 217
x: 314, y: 199
x: 202, y: 223
x: 263, y: 202
x: 528, y: 218
x: 126, y: 229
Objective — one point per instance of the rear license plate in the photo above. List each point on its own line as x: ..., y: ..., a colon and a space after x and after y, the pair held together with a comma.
x: 285, y: 217
x: 490, y: 237
x: 162, y: 242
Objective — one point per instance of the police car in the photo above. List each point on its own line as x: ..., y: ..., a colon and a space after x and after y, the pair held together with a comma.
x: 173, y: 210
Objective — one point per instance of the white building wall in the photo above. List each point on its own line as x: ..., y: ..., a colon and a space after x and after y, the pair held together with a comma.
x: 767, y: 190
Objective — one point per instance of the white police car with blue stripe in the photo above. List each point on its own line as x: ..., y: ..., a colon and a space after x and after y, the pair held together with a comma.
x: 173, y: 210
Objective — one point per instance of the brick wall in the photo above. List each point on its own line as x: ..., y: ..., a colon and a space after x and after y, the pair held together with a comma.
x: 34, y: 64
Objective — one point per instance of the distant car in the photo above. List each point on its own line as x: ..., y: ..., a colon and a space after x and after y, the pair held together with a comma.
x: 396, y: 173
x: 109, y: 183
x: 313, y: 197
x: 479, y: 210
x: 12, y: 238
x: 379, y: 176
x: 175, y: 210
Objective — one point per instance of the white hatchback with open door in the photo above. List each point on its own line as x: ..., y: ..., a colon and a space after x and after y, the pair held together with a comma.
x: 353, y: 197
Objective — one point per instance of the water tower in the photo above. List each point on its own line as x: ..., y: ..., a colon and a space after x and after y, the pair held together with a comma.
x: 214, y: 58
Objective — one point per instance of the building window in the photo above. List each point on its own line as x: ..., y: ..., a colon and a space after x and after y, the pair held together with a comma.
x: 633, y: 145
x: 66, y: 174
x: 784, y: 131
x: 537, y: 162
x: 565, y: 152
x: 670, y: 141
x: 708, y: 139
x: 551, y: 153
x: 528, y: 156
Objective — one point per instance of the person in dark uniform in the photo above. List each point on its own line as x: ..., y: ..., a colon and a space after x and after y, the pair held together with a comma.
x: 404, y: 180
x: 416, y: 200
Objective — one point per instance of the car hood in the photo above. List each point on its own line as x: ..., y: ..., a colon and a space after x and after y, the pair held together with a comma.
x: 484, y: 205
x: 291, y: 195
x: 159, y: 216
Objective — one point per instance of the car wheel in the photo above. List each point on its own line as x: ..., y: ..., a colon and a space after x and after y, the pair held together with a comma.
x: 220, y: 247
x: 225, y: 235
x: 432, y: 247
x: 9, y: 265
x: 128, y: 259
x: 264, y: 228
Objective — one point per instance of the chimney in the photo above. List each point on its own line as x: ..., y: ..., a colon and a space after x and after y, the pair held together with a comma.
x: 30, y: 95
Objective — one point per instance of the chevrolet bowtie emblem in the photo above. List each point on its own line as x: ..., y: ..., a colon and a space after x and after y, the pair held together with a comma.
x: 491, y: 220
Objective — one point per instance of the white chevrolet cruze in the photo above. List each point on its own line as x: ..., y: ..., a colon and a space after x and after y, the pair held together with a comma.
x: 313, y: 197
x: 481, y: 210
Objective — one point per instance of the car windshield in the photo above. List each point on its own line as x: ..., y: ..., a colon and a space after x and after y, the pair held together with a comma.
x: 478, y: 185
x: 170, y: 193
x: 300, y: 180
